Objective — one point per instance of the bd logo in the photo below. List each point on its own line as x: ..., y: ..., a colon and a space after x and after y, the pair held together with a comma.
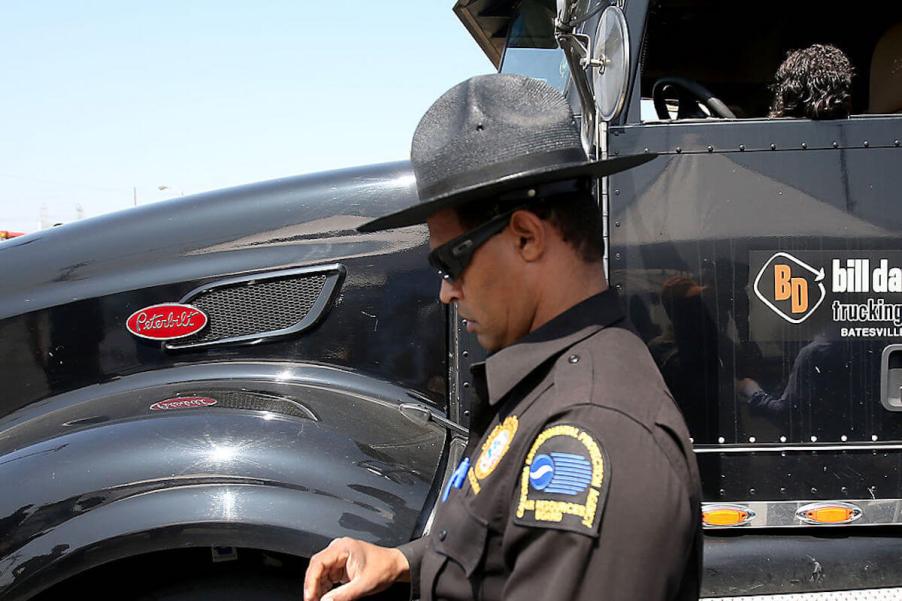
x: 792, y: 288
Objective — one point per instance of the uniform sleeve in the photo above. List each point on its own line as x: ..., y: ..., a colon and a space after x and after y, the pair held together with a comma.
x: 766, y: 405
x: 413, y: 551
x: 641, y: 543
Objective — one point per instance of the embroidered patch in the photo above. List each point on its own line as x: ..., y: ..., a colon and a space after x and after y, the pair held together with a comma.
x: 563, y: 473
x: 493, y: 450
x: 564, y: 482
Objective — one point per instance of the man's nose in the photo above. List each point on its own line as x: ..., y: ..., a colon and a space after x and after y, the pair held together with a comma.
x: 449, y: 292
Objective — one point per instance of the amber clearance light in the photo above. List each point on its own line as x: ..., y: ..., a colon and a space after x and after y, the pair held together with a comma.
x: 724, y: 516
x: 828, y: 513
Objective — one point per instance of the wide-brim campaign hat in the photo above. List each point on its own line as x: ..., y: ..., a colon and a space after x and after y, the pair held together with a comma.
x: 492, y: 134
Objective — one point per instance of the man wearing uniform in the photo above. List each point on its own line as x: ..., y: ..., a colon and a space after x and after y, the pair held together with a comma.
x: 579, y: 480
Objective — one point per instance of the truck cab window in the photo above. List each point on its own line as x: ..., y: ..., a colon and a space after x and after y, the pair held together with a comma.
x: 734, y: 50
x: 531, y: 48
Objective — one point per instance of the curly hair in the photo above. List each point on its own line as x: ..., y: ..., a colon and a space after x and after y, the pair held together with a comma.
x: 814, y: 83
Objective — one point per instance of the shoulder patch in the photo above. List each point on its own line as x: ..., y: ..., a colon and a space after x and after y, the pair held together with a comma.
x: 493, y: 450
x: 564, y: 481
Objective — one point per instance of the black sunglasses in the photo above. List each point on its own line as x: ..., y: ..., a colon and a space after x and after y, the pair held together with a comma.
x: 452, y: 257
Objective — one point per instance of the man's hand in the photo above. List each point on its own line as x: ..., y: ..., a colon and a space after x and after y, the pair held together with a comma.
x: 361, y: 569
x: 746, y: 387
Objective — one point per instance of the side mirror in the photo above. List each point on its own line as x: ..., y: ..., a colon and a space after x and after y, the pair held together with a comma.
x: 610, y: 62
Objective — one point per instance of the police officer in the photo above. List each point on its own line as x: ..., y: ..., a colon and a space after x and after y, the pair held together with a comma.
x: 579, y: 481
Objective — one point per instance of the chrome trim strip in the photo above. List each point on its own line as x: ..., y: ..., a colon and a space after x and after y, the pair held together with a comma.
x: 871, y: 594
x: 453, y: 364
x: 785, y: 514
x: 800, y: 448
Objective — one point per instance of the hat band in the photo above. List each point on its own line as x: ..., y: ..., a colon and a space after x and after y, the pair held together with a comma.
x: 499, y: 171
x: 539, y: 191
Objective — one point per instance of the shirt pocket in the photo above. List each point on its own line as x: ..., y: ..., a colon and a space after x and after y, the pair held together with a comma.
x: 463, y: 538
x: 454, y: 554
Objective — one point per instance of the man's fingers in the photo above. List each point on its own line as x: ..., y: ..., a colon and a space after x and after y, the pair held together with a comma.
x: 337, y: 572
x: 320, y: 570
x: 348, y: 592
x: 347, y: 570
x: 312, y: 577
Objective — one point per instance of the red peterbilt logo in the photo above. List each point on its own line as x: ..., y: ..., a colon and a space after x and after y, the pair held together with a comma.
x: 184, y: 402
x: 166, y: 322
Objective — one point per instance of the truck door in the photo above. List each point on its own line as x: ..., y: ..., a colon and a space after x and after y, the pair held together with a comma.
x: 762, y: 264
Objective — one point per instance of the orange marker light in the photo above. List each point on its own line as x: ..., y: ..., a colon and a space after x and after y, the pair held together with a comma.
x: 720, y: 516
x: 829, y: 513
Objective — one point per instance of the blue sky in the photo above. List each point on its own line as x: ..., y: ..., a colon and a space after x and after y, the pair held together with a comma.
x: 103, y: 97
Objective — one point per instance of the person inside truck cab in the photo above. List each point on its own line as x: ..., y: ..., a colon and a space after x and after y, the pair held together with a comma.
x: 703, y: 51
x: 578, y: 480
x: 813, y: 83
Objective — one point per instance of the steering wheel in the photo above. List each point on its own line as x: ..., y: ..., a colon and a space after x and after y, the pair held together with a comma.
x: 691, y: 94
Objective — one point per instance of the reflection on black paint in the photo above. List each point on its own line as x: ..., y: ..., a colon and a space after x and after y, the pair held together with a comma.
x: 819, y: 395
x: 73, y: 356
x: 34, y: 521
x: 38, y: 562
x: 686, y: 354
x: 398, y: 512
x: 701, y: 342
x: 10, y: 522
x: 396, y: 474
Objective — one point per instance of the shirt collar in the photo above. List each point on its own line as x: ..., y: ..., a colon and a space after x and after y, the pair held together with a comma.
x: 509, y: 366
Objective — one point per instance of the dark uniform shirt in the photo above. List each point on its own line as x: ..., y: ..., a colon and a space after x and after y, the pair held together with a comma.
x: 579, y: 480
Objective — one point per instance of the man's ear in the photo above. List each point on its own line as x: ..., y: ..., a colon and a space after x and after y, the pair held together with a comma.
x: 530, y: 234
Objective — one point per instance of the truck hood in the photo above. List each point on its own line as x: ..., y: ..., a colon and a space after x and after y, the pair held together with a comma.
x: 231, y: 228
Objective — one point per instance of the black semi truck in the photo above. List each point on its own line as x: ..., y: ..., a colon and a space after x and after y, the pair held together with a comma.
x: 199, y: 394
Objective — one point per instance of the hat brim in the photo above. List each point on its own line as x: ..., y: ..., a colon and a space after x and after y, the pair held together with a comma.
x: 427, y: 206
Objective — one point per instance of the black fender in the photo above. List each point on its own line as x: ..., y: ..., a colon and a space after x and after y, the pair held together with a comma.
x: 274, y: 456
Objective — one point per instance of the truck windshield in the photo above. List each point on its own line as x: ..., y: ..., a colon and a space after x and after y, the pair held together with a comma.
x: 531, y: 48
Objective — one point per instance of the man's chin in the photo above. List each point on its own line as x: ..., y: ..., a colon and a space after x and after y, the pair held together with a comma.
x: 487, y: 342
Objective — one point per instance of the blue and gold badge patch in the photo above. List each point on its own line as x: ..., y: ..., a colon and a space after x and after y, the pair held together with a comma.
x: 493, y: 450
x: 564, y: 481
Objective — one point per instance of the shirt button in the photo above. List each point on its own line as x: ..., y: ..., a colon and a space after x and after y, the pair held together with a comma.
x: 573, y: 358
x: 443, y: 535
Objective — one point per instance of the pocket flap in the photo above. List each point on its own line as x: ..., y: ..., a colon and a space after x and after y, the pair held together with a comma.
x: 461, y: 536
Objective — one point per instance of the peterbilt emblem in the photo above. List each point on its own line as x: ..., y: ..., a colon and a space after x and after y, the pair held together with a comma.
x: 184, y: 402
x: 167, y: 321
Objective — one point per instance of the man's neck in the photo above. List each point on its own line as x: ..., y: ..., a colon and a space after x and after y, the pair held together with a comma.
x: 577, y: 284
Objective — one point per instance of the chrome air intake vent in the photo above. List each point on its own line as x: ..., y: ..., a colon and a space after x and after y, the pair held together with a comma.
x: 253, y: 308
x: 269, y: 306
